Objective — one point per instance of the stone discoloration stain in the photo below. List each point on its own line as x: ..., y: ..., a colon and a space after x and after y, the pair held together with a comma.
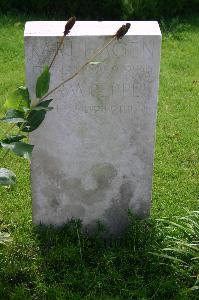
x: 67, y: 197
x: 101, y: 175
x: 116, y: 216
x: 72, y: 211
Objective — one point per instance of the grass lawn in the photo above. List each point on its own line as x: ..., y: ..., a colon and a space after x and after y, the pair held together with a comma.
x: 46, y: 264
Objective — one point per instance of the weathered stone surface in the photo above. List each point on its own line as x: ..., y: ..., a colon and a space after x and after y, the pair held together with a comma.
x: 93, y: 156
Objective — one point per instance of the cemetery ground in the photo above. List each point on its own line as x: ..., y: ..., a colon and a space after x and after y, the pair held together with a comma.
x: 43, y: 263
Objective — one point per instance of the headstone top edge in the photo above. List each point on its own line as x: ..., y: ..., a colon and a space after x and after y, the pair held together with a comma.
x: 91, y: 28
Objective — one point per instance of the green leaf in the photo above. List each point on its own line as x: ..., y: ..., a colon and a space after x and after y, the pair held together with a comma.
x: 14, y: 116
x: 94, y: 62
x: 43, y: 82
x: 7, y: 177
x: 13, y: 138
x: 42, y: 107
x: 28, y: 110
x: 19, y: 148
x: 194, y: 288
x: 36, y: 116
x: 18, y: 99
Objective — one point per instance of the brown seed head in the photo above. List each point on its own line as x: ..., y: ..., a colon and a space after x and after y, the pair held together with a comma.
x: 122, y: 31
x: 69, y: 25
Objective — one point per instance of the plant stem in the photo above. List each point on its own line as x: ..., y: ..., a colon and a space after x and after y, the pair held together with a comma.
x: 99, y: 51
x: 5, y: 154
x: 58, y: 48
x: 79, y: 241
x: 9, y: 129
x: 69, y: 25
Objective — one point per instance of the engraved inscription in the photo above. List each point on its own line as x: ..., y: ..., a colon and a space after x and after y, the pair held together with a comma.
x: 102, y: 88
x: 81, y: 108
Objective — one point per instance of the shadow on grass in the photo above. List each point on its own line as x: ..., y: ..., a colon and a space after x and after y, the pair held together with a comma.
x: 64, y: 263
x: 74, y: 264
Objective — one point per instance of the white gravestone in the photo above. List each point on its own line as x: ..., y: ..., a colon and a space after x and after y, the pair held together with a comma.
x: 93, y: 155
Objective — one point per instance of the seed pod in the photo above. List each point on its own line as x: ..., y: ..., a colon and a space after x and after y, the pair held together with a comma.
x: 122, y: 31
x: 69, y: 25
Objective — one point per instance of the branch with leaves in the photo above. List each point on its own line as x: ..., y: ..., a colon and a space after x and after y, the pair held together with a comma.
x: 26, y: 115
